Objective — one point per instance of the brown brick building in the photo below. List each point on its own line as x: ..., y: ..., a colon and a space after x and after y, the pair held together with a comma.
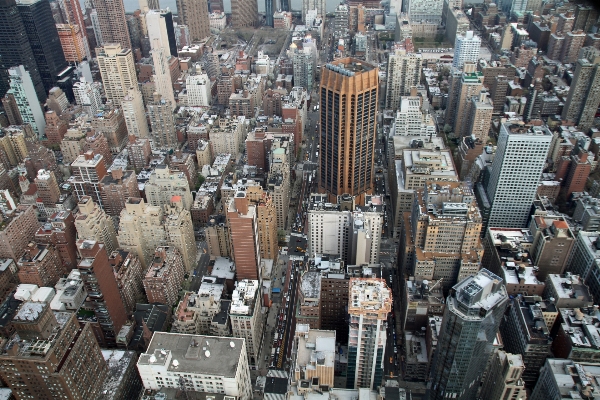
x: 241, y: 218
x: 55, y: 128
x: 60, y: 231
x: 17, y: 231
x: 164, y: 277
x: 40, y: 265
x: 128, y: 272
x: 115, y: 188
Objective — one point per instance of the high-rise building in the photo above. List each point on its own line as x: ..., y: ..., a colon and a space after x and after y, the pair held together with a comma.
x: 515, y: 173
x: 345, y: 168
x: 221, y: 369
x: 17, y: 232
x: 72, y: 41
x: 424, y: 10
x: 40, y: 265
x: 243, y: 226
x: 73, y: 17
x: 16, y: 49
x: 43, y: 38
x: 93, y: 223
x: 129, y: 276
x: 198, y: 90
x: 370, y: 302
x: 244, y: 13
x: 466, y: 48
x: 55, y: 127
x: 51, y: 356
x: 117, y: 68
x: 135, y: 116
x: 28, y: 104
x: 303, y: 58
x: 571, y: 47
x: 163, y: 184
x: 112, y: 23
x: 266, y: 217
x: 103, y: 293
x: 194, y: 14
x: 404, y: 72
x: 584, y: 94
x: 470, y: 324
x: 139, y: 152
x: 246, y: 317
x: 88, y: 170
x: 558, y: 374
x: 47, y: 187
x: 307, y: 5
x: 552, y: 244
x: 115, y: 188
x: 479, y: 120
x: 88, y: 95
x: 110, y: 123
x: 162, y: 123
x: 60, y: 231
x: 503, y: 377
x: 411, y: 120
x: 159, y: 24
x: 180, y: 232
x: 164, y: 276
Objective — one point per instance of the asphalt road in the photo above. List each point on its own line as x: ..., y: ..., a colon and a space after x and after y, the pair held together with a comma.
x: 286, y: 320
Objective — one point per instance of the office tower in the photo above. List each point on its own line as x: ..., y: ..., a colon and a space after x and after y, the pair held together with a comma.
x: 370, y: 302
x: 133, y: 111
x: 115, y: 188
x: 198, y: 90
x: 269, y: 13
x: 584, y: 94
x: 163, y: 184
x: 103, y: 293
x: 470, y: 323
x: 180, y: 232
x: 16, y: 49
x: 244, y: 13
x: 194, y: 14
x: 503, y: 377
x: 442, y: 234
x: 160, y: 26
x: 515, y: 173
x: 112, y: 23
x: 266, y: 217
x: 55, y: 127
x: 404, y: 72
x: 221, y: 368
x: 560, y: 374
x: 164, y: 276
x: 18, y: 230
x: 346, y: 168
x: 88, y: 95
x: 246, y: 317
x: 128, y: 273
x: 23, y: 91
x: 524, y: 332
x: 51, y: 356
x: 141, y: 230
x: 463, y: 86
x: 479, y: 119
x: 117, y: 70
x: 47, y: 187
x: 43, y: 38
x: 40, y: 265
x: 307, y: 5
x: 93, y: 223
x: 73, y: 17
x: 162, y: 122
x: 88, y: 171
x: 72, y: 42
x: 241, y: 218
x: 60, y: 231
x: 466, y: 48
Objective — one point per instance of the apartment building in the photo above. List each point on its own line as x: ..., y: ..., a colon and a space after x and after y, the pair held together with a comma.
x: 180, y: 232
x: 246, y: 317
x: 163, y: 184
x: 129, y: 275
x: 40, y: 265
x: 17, y: 231
x: 88, y: 170
x: 115, y: 188
x: 92, y: 223
x: 164, y: 276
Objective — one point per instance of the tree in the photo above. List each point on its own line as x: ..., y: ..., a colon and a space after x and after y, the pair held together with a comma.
x: 200, y: 180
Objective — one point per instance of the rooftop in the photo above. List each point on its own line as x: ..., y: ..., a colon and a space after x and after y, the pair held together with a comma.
x: 369, y: 295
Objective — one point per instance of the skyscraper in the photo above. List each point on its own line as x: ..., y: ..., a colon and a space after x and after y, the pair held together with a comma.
x: 370, y: 302
x: 194, y: 14
x: 117, y: 70
x: 349, y: 90
x: 244, y: 13
x: 15, y: 48
x: 43, y: 38
x: 162, y: 123
x: 72, y: 16
x: 584, y: 94
x: 404, y: 71
x: 92, y: 223
x: 23, y: 91
x: 162, y: 74
x: 269, y: 12
x: 466, y: 48
x: 463, y: 86
x: 159, y: 24
x: 471, y: 319
x: 515, y: 173
x: 112, y: 22
x: 133, y: 111
x: 241, y: 217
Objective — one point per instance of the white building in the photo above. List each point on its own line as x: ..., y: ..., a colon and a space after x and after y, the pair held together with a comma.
x: 209, y: 364
x: 198, y: 90
x: 262, y: 64
x: 217, y: 21
x: 164, y: 184
x: 133, y: 112
x: 318, y: 5
x: 21, y: 87
x: 404, y: 71
x: 157, y: 27
x: 88, y: 95
x: 425, y: 11
x: 411, y: 121
x: 228, y: 135
x: 117, y: 70
x: 514, y: 178
x: 466, y: 48
x: 246, y: 318
x: 162, y: 74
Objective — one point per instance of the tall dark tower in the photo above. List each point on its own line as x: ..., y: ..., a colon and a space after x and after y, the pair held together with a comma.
x: 15, y: 49
x: 348, y: 128
x: 43, y: 38
x: 168, y: 16
x: 285, y: 5
x: 269, y: 12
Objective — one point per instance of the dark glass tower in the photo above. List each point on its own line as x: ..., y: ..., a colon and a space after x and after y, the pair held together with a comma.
x: 43, y: 38
x: 285, y: 5
x: 15, y: 49
x: 269, y: 12
x: 168, y: 15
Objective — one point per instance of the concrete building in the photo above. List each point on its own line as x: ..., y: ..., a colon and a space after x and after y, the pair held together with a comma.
x: 568, y: 291
x: 112, y: 23
x: 246, y: 317
x: 552, y: 244
x: 503, y: 377
x: 227, y: 135
x: 164, y: 184
x: 93, y: 223
x: 266, y: 218
x: 557, y: 375
x: 21, y: 358
x: 163, y: 81
x: 88, y: 95
x: 217, y: 236
x: 17, y: 231
x: 244, y: 13
x: 197, y: 311
x: 577, y: 335
x: 180, y: 232
x: 40, y: 265
x: 164, y: 277
x: 162, y: 122
x: 319, y: 5
x: 60, y: 231
x: 308, y: 308
x: 173, y: 353
x: 128, y: 273
x: 117, y: 68
x: 584, y: 94
x: 411, y: 120
x: 135, y: 116
x: 47, y: 187
x: 463, y: 86
x: 139, y: 151
x: 404, y: 72
x: 194, y: 14
x: 343, y: 169
x: 104, y: 298
x: 518, y: 163
x: 370, y: 302
x: 479, y: 119
x: 116, y: 188
x: 26, y: 99
x: 243, y: 226
x: 584, y: 261
x: 303, y: 59
x: 123, y: 380
x: 198, y: 90
x: 314, y: 358
x: 72, y: 41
